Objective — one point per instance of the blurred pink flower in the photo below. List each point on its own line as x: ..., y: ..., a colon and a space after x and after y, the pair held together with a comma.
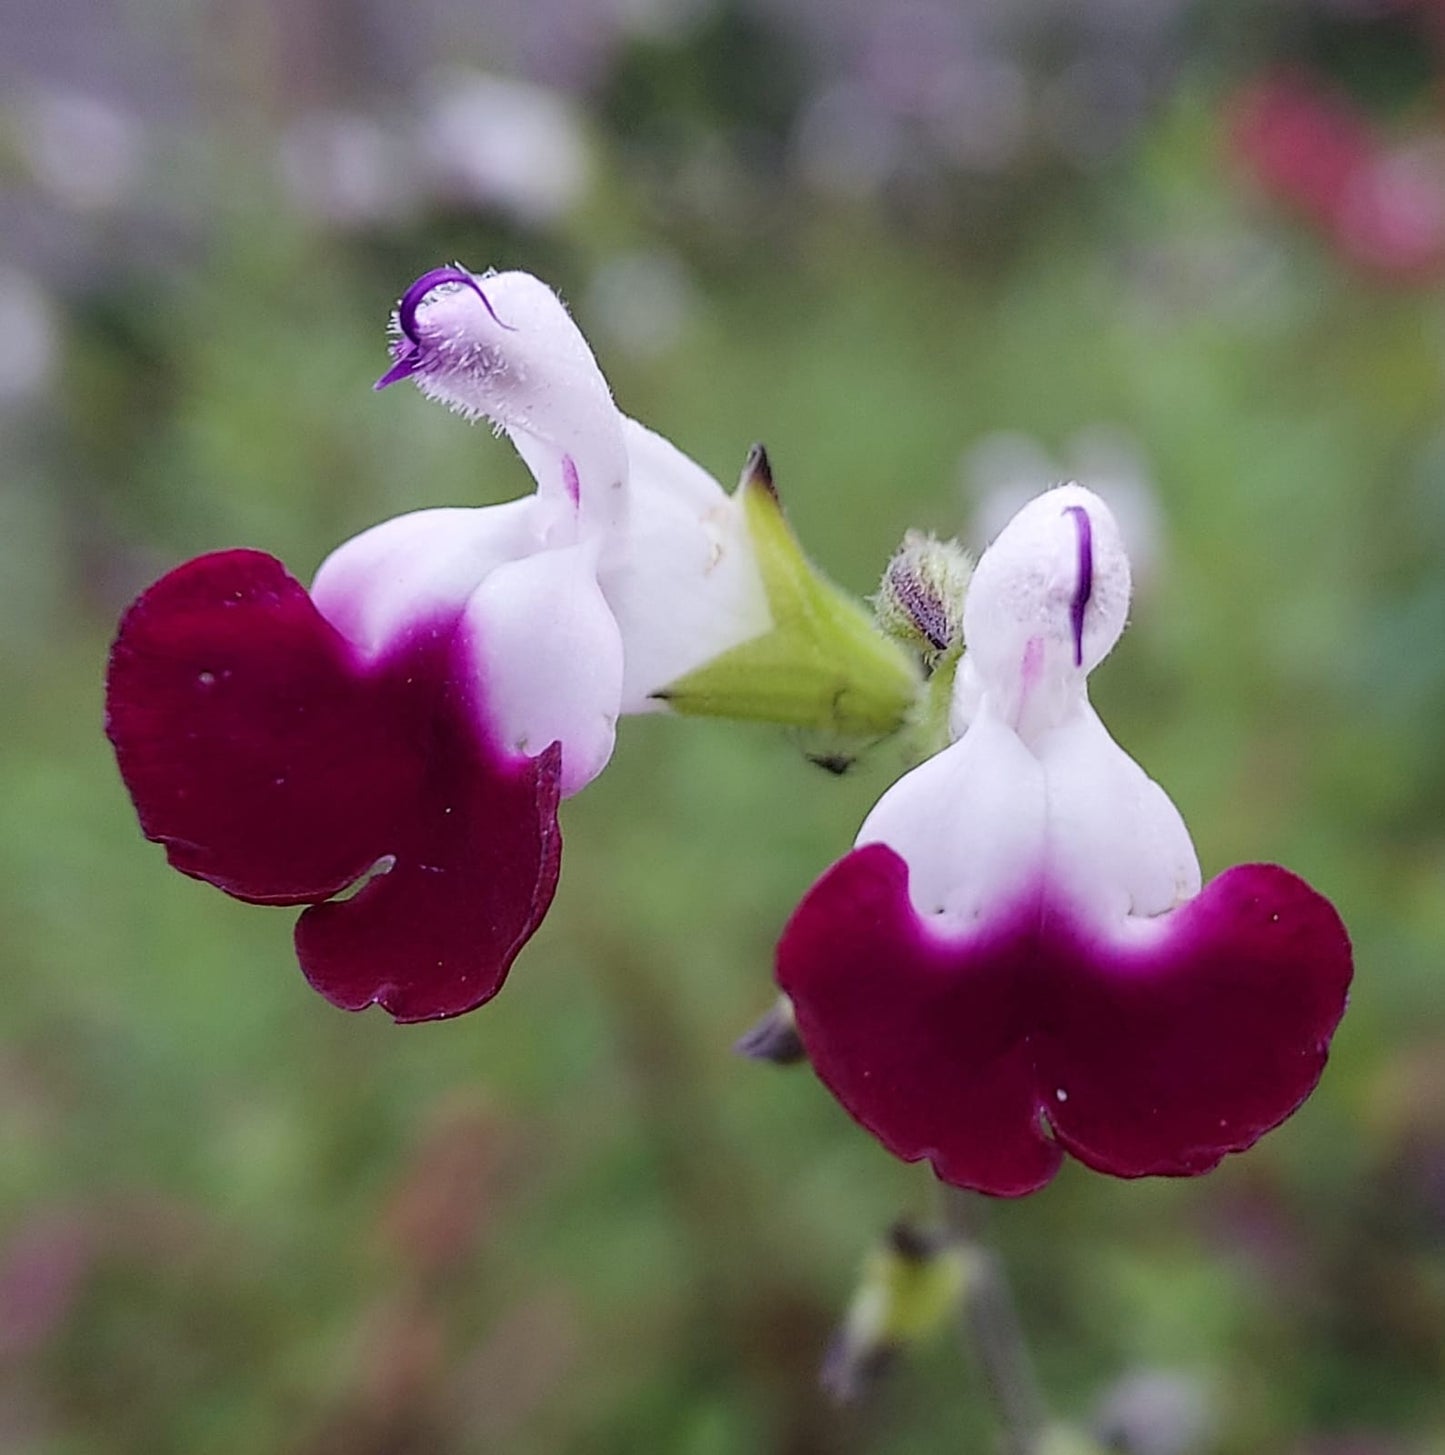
x: 1311, y: 149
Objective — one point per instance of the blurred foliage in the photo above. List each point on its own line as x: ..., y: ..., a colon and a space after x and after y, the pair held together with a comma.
x: 234, y: 1219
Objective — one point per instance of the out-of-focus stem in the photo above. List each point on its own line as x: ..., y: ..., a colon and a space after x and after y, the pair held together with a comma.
x: 990, y: 1330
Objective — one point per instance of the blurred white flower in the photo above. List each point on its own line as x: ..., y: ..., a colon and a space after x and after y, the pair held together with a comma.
x: 505, y: 144
x: 1156, y: 1412
x: 641, y: 302
x: 979, y: 113
x: 844, y: 144
x: 1112, y: 462
x: 31, y: 332
x: 662, y: 21
x: 343, y: 168
x: 998, y: 476
x: 1004, y: 470
x: 86, y: 153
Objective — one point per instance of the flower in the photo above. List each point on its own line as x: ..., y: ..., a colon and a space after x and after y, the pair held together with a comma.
x: 390, y: 748
x: 1017, y: 959
x: 1310, y: 147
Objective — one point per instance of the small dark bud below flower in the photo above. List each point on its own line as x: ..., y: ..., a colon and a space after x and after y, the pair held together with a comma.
x: 915, y: 1243
x: 912, y: 1281
x: 850, y: 1374
x: 774, y: 1038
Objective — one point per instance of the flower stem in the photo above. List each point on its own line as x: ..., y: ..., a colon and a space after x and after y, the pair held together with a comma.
x: 990, y: 1330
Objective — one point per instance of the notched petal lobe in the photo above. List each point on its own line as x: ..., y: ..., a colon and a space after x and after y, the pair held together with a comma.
x: 1154, y: 1053
x: 275, y: 761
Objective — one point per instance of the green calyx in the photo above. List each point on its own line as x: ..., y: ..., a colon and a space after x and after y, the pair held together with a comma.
x: 912, y: 1283
x: 823, y: 666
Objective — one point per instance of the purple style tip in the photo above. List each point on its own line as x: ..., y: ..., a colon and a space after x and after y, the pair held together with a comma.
x: 1085, y: 589
x: 428, y: 283
x: 413, y: 350
x: 405, y: 366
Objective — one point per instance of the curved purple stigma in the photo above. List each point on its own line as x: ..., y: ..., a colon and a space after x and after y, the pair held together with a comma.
x: 1085, y: 588
x: 409, y: 361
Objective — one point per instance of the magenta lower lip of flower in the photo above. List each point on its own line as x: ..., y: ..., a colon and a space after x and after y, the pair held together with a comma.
x: 274, y: 763
x: 992, y: 1052
x: 412, y: 353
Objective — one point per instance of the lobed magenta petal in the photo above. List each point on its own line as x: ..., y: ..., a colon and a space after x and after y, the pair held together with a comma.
x: 928, y: 1050
x: 476, y: 867
x: 1173, y: 1052
x: 1155, y: 1054
x: 247, y: 739
x: 273, y: 762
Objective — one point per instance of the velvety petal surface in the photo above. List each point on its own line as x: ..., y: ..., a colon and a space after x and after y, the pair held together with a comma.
x: 547, y: 654
x: 476, y: 864
x: 246, y: 738
x: 1199, y: 1031
x: 378, y: 586
x: 1156, y: 1050
x: 274, y: 760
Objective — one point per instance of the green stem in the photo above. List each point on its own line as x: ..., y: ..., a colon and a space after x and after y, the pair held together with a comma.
x: 990, y: 1330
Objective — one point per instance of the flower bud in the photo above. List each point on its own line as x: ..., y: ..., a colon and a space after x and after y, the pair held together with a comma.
x: 774, y: 1038
x: 920, y: 599
x: 912, y: 1282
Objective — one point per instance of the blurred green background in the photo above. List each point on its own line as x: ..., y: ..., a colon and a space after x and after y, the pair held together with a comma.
x: 930, y: 254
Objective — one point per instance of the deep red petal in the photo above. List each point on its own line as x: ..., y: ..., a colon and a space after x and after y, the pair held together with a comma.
x: 1174, y: 1054
x: 247, y: 739
x: 476, y: 868
x: 273, y: 763
x: 1169, y: 1053
x: 931, y: 1055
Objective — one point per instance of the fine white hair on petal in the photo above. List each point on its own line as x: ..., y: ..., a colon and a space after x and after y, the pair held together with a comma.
x: 512, y: 354
x: 1035, y: 800
x: 1112, y: 463
x: 1003, y: 471
x: 548, y: 660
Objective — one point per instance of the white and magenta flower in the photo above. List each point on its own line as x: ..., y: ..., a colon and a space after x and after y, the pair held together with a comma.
x: 410, y: 724
x: 1017, y: 959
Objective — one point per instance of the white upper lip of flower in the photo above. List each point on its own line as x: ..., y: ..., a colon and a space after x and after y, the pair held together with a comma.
x: 1035, y: 798
x: 627, y: 568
